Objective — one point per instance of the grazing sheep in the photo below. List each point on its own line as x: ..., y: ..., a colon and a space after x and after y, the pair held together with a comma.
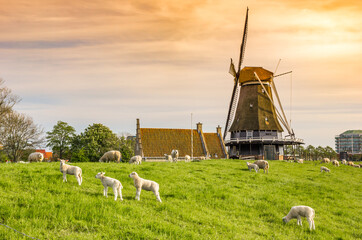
x: 71, y: 170
x: 110, y: 156
x: 136, y: 160
x: 300, y: 161
x: 144, y: 184
x: 324, y: 169
x: 168, y: 158
x: 325, y: 160
x: 174, y: 154
x: 263, y: 165
x: 252, y: 166
x: 344, y: 161
x: 202, y: 158
x: 35, y: 157
x: 110, y: 182
x: 335, y: 163
x: 22, y: 162
x: 301, y: 211
x: 356, y: 165
x: 187, y: 158
x: 350, y: 163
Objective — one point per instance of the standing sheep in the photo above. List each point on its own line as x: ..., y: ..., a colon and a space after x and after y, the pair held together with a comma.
x: 144, y: 184
x: 187, y: 158
x: 110, y: 156
x: 335, y: 163
x: 350, y: 163
x: 35, y: 157
x: 325, y: 169
x: 110, y: 182
x: 136, y: 160
x: 301, y: 211
x: 168, y: 158
x: 174, y: 154
x: 344, y: 161
x: 71, y: 170
x: 325, y: 160
x: 263, y: 165
x: 252, y: 166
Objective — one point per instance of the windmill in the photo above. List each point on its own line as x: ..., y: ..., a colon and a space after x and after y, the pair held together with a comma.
x: 255, y: 121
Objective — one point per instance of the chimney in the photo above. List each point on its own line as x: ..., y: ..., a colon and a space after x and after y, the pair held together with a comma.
x: 199, y: 127
x: 138, y: 146
x: 218, y: 130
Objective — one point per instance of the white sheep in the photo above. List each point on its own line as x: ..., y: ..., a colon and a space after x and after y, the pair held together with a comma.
x: 263, y: 165
x: 350, y: 163
x: 174, y: 154
x: 325, y: 169
x: 335, y: 163
x: 136, y: 160
x: 71, y: 170
x: 35, y: 157
x: 252, y: 166
x: 356, y: 166
x: 344, y: 161
x: 168, y: 158
x: 144, y: 184
x: 325, y: 160
x: 300, y: 161
x: 23, y: 162
x: 110, y: 182
x: 187, y: 158
x: 301, y: 211
x: 110, y: 156
x: 202, y: 158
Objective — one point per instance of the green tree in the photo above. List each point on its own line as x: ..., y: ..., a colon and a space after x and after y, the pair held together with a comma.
x: 59, y: 139
x: 310, y: 152
x: 330, y: 153
x: 126, y: 148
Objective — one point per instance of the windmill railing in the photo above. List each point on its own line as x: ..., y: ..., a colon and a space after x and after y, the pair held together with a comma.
x: 265, y: 140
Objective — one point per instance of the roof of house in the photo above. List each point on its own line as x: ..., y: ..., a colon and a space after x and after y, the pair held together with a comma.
x: 159, y: 141
x: 213, y: 145
x: 353, y: 132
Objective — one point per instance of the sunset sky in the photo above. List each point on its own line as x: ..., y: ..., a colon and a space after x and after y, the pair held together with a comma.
x: 111, y: 62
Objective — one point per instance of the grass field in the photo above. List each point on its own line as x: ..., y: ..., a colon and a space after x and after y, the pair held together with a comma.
x: 212, y: 199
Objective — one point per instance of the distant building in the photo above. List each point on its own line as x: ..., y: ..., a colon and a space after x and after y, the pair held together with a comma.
x: 155, y: 142
x: 350, y: 141
x: 47, y: 155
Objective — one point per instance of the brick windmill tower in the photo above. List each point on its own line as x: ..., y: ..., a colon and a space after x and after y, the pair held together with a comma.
x: 254, y: 123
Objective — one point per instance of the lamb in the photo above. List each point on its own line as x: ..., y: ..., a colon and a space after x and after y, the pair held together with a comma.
x: 301, y: 211
x: 147, y: 185
x: 71, y: 170
x: 335, y: 163
x: 356, y: 165
x: 35, y: 157
x: 187, y: 158
x: 325, y: 160
x: 168, y: 158
x: 110, y: 182
x: 344, y: 161
x: 111, y: 156
x: 174, y: 154
x: 252, y: 166
x: 300, y: 161
x: 324, y: 169
x: 263, y: 165
x: 350, y: 163
x: 136, y: 159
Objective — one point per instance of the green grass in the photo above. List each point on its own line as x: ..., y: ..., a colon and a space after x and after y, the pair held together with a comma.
x: 213, y: 199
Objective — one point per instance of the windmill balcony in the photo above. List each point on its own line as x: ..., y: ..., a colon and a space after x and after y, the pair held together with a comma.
x: 265, y: 140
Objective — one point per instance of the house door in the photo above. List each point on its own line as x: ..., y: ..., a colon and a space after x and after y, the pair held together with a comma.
x: 269, y: 152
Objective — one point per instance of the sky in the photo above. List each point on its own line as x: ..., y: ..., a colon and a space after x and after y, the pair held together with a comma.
x: 110, y: 62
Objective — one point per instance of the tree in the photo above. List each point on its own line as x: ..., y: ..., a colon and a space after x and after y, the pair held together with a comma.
x: 7, y: 100
x: 310, y: 152
x: 17, y: 133
x: 330, y: 153
x: 59, y: 139
x: 127, y: 148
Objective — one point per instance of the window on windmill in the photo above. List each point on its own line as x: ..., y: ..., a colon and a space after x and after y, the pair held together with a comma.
x: 251, y: 105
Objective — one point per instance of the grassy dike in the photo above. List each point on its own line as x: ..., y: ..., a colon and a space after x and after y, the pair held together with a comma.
x: 212, y: 199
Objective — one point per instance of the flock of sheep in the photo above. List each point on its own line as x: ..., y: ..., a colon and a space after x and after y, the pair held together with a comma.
x: 148, y: 185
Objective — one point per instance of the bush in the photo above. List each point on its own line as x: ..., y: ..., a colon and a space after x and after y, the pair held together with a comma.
x: 79, y: 156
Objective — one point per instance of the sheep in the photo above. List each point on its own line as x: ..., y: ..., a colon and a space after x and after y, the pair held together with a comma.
x: 187, y: 158
x: 301, y: 211
x: 325, y: 160
x: 252, y: 166
x: 111, y: 156
x: 174, y: 154
x: 350, y: 163
x: 22, y: 162
x: 202, y: 158
x: 356, y: 165
x: 324, y: 169
x: 344, y: 161
x: 136, y: 159
x: 300, y: 161
x: 263, y: 165
x: 71, y: 170
x: 168, y: 158
x: 335, y: 163
x: 35, y: 157
x: 110, y: 182
x: 147, y: 185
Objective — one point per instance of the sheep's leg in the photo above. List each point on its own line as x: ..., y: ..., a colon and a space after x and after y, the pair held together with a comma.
x: 157, y: 194
x: 105, y: 190
x: 81, y: 179
x: 64, y: 177
x: 138, y: 193
x: 115, y: 193
x: 313, y: 226
x: 299, y: 222
x: 120, y: 193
